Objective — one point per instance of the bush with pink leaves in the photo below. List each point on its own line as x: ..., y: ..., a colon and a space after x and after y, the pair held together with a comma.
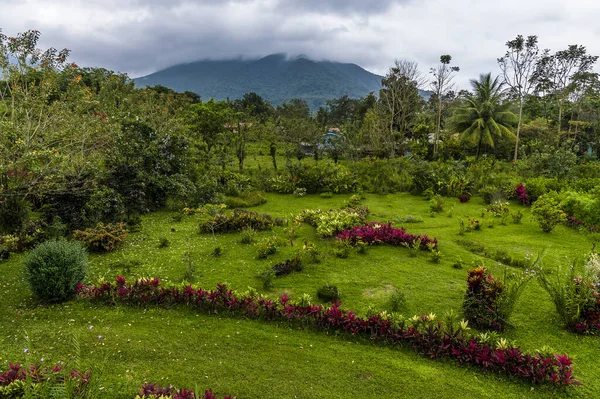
x: 383, y: 233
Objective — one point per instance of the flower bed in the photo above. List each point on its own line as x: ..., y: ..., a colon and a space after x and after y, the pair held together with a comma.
x: 332, y: 222
x: 40, y: 381
x: 428, y: 337
x: 149, y: 391
x: 383, y: 233
x: 237, y: 220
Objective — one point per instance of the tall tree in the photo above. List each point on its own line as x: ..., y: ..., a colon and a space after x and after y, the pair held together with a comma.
x: 518, y: 65
x: 441, y: 83
x: 399, y: 96
x: 294, y: 109
x: 557, y: 72
x: 484, y: 117
x: 209, y: 120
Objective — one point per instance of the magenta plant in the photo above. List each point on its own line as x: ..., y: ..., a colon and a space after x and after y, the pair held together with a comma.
x: 148, y: 391
x: 431, y: 338
x: 521, y: 194
x: 14, y: 379
x: 383, y: 233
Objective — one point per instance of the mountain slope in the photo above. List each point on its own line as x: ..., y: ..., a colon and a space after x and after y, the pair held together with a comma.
x: 275, y: 77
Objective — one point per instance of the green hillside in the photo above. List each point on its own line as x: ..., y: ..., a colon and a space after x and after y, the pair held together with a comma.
x: 276, y: 78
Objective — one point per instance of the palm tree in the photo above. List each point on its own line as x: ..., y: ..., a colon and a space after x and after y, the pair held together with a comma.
x: 484, y: 117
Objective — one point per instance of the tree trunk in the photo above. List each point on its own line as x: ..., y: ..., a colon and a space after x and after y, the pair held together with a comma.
x: 438, y: 128
x: 518, y: 130
x: 478, y: 147
x: 559, y: 117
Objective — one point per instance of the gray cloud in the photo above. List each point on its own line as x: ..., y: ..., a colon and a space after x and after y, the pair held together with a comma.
x: 342, y: 7
x: 142, y: 36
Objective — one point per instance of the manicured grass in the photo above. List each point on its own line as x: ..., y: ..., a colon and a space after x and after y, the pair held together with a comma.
x: 254, y: 359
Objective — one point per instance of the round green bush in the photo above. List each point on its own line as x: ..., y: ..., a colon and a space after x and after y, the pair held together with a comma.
x: 328, y: 293
x: 53, y: 269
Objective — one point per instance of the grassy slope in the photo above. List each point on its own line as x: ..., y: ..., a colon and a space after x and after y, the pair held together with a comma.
x: 253, y: 359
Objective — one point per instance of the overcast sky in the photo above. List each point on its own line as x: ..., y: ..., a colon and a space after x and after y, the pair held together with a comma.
x: 142, y: 36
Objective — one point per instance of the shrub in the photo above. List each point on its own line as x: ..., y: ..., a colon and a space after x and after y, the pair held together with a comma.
x: 4, y: 253
x: 576, y: 298
x: 342, y: 248
x: 327, y: 194
x: 521, y: 194
x: 517, y: 216
x: 592, y: 268
x: 397, y: 300
x: 459, y: 264
x: 328, y: 293
x: 434, y: 252
x: 436, y: 204
x: 383, y: 176
x: 236, y: 220
x: 547, y: 212
x: 246, y: 200
x: 538, y: 186
x: 189, y: 266
x: 102, y: 238
x: 310, y: 253
x: 378, y: 233
x: 583, y: 207
x: 499, y: 209
x: 266, y: 247
x: 288, y: 266
x: 315, y: 178
x: 329, y: 223
x: 464, y: 197
x: 163, y: 242
x: 54, y: 268
x: 248, y: 236
x: 489, y: 302
x: 300, y: 192
x: 10, y: 242
x: 57, y: 228
x: 14, y: 212
x: 217, y: 252
x: 104, y: 206
x: 267, y: 277
x: 492, y: 194
x: 352, y: 202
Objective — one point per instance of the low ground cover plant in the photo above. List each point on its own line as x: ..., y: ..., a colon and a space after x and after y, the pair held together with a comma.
x: 329, y: 223
x: 103, y: 237
x: 288, y: 266
x: 155, y: 391
x: 426, y: 335
x: 246, y: 200
x: 41, y: 381
x: 383, y: 233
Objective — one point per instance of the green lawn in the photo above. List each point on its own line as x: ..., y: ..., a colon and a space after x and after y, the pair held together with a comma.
x: 253, y: 359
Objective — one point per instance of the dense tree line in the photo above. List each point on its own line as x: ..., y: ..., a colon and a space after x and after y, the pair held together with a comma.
x: 85, y: 145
